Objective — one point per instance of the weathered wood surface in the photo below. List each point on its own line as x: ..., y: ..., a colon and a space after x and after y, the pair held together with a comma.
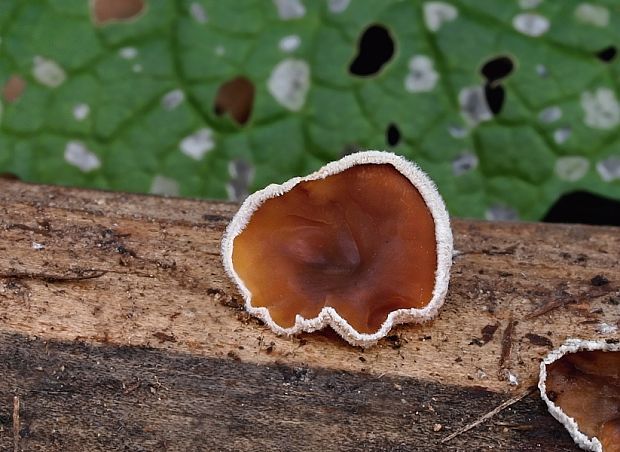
x: 121, y: 332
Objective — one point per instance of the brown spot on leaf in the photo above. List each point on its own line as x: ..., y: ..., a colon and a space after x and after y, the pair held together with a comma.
x: 13, y: 88
x: 108, y: 11
x: 235, y: 98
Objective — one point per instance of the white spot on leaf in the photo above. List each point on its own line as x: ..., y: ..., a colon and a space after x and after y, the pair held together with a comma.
x: 289, y: 83
x: 289, y: 43
x: 529, y: 4
x: 338, y: 6
x: 198, y: 144
x: 531, y: 24
x: 601, y: 108
x: 550, y: 114
x: 173, y: 99
x: 571, y: 168
x: 422, y: 76
x: 165, y: 186
x: 562, y: 134
x: 474, y: 105
x: 541, y: 70
x: 81, y: 112
x: 290, y: 9
x: 48, y: 72
x: 437, y: 13
x: 77, y: 154
x: 137, y: 68
x: 501, y: 212
x: 457, y: 131
x: 198, y: 12
x: 609, y: 169
x: 220, y: 50
x: 465, y: 162
x: 241, y: 174
x: 590, y: 14
x: 128, y: 53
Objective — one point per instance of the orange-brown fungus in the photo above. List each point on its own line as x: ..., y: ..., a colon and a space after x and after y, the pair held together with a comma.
x: 361, y: 241
x: 586, y: 386
x: 13, y: 88
x: 105, y: 11
x: 235, y: 97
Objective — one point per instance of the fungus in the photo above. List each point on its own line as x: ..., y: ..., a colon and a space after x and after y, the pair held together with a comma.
x: 362, y: 244
x: 580, y: 382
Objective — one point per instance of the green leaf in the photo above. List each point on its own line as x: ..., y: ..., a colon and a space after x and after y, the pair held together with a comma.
x: 131, y: 105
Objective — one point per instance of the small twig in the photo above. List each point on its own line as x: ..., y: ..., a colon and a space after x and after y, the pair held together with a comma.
x: 507, y: 343
x: 51, y: 278
x: 16, y: 427
x: 489, y: 415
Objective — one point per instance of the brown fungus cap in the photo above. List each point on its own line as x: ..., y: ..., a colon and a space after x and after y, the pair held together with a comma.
x: 362, y: 244
x: 580, y: 382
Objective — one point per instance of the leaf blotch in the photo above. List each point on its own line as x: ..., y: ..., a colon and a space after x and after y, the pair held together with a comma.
x: 497, y: 68
x: 108, y: 11
x: 607, y: 54
x: 235, y: 98
x: 392, y: 135
x: 494, y: 71
x: 375, y: 50
x: 13, y: 88
x: 586, y: 208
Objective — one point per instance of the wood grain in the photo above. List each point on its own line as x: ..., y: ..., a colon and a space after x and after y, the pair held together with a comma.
x: 138, y: 279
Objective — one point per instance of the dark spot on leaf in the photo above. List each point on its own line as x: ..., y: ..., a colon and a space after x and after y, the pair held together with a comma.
x: 13, y: 88
x: 495, y: 96
x: 494, y: 70
x: 599, y: 280
x: 375, y: 49
x: 106, y: 11
x: 586, y: 208
x: 235, y: 98
x: 392, y: 135
x: 9, y: 176
x: 607, y: 54
x: 497, y: 68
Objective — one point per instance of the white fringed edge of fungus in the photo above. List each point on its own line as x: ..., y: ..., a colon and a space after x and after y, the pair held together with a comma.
x: 572, y: 346
x: 328, y: 315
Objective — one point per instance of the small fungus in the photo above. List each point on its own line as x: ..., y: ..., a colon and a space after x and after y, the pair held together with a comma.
x: 362, y: 244
x: 580, y: 383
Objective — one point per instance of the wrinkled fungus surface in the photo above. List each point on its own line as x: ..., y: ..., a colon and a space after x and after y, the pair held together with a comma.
x: 361, y: 241
x: 585, y: 386
x: 360, y: 245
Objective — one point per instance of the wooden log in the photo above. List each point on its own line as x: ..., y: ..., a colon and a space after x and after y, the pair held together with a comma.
x: 120, y: 331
